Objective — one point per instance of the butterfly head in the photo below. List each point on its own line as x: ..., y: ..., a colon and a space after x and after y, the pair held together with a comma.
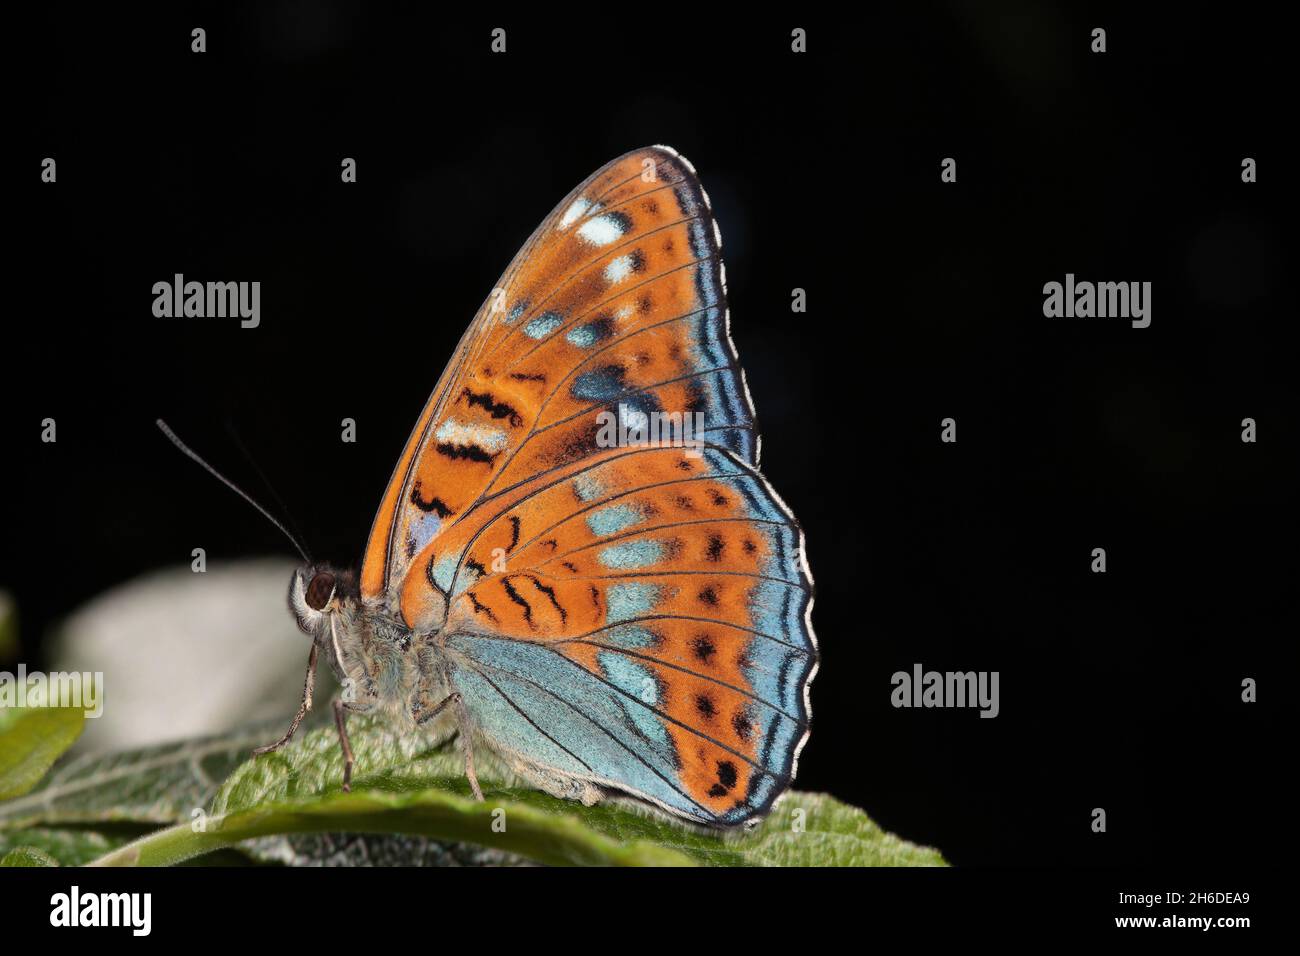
x: 315, y: 592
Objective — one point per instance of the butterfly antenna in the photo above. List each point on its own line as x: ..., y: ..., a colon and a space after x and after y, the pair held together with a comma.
x: 162, y: 426
x: 266, y: 482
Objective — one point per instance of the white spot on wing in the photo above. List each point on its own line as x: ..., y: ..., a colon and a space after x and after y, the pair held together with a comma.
x: 452, y: 432
x: 573, y: 213
x: 602, y: 230
x: 619, y: 269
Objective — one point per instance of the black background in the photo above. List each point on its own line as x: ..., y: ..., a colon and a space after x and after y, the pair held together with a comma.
x: 1119, y: 691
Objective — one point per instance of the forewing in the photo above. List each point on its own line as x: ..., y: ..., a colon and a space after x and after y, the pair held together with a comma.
x: 616, y: 300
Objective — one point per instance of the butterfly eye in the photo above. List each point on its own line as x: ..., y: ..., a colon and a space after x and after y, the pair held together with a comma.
x: 319, y: 590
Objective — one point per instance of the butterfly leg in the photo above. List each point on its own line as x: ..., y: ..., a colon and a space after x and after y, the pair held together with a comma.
x: 466, y: 743
x: 423, y: 716
x: 340, y: 721
x: 308, y: 686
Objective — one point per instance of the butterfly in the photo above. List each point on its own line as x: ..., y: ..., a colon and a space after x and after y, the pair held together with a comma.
x: 608, y: 606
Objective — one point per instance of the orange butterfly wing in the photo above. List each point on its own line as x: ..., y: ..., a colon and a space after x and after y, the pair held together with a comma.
x: 678, y: 581
x: 615, y: 274
x: 638, y: 618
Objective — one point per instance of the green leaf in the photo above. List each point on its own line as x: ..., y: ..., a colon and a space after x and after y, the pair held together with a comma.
x: 406, y: 785
x: 31, y: 739
x: 410, y: 804
x: 154, y: 785
x: 27, y: 856
x: 82, y: 800
x: 70, y: 846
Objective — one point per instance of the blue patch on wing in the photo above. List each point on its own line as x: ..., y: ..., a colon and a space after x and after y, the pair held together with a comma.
x: 600, y: 384
x: 543, y: 325
x: 630, y: 637
x: 613, y: 519
x: 549, y: 710
x: 534, y: 701
x: 777, y: 610
x: 630, y: 555
x: 629, y: 600
x: 640, y: 685
x: 423, y: 527
x: 443, y: 571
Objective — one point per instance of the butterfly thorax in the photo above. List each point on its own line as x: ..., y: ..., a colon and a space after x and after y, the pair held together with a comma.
x: 381, y: 662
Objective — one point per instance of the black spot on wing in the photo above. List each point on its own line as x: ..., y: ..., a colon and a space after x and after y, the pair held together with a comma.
x: 480, y: 608
x: 498, y: 410
x: 435, y: 504
x: 727, y: 778
x: 550, y: 595
x: 703, y: 648
x: 461, y: 452
x: 514, y: 595
x: 743, y: 726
